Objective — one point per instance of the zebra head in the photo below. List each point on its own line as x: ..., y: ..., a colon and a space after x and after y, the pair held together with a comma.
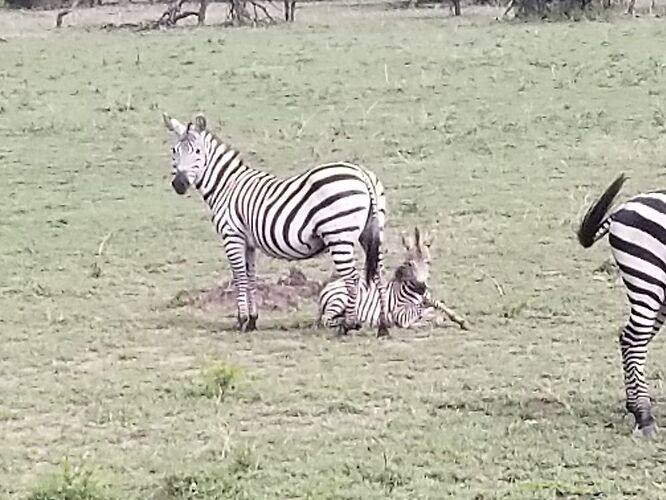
x: 188, y: 158
x: 416, y: 267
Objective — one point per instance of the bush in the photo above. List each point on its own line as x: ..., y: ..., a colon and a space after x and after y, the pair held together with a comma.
x: 70, y: 484
x: 219, y: 380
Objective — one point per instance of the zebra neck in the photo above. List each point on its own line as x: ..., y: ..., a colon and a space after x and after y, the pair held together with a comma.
x: 393, y: 288
x: 223, y: 167
x: 405, y: 289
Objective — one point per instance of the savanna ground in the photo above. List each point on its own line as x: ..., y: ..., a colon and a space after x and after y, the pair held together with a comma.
x: 496, y: 135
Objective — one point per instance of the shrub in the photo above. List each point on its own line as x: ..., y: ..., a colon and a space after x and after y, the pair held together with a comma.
x: 70, y: 484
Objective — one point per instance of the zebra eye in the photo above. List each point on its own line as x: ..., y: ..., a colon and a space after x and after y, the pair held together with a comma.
x: 198, y: 151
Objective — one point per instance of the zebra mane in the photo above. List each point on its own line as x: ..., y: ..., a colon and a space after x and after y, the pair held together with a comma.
x: 188, y: 136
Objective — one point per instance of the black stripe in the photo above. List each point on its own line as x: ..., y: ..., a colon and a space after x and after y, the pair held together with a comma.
x: 642, y: 291
x: 304, y: 197
x: 654, y: 203
x: 635, y: 250
x: 326, y: 220
x: 647, y: 278
x: 634, y: 219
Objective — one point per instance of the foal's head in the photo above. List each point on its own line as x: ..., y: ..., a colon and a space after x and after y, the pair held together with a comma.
x: 416, y: 267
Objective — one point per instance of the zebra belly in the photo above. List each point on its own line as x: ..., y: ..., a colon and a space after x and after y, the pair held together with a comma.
x: 277, y: 248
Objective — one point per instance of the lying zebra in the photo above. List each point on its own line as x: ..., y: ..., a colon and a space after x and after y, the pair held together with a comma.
x: 409, y: 300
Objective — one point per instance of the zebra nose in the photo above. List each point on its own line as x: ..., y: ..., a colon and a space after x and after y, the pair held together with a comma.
x: 180, y: 183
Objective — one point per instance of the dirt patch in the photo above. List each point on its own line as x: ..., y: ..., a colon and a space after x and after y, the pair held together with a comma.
x: 286, y: 294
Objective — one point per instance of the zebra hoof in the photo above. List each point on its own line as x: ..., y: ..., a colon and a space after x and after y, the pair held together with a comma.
x: 649, y: 429
x: 251, y: 323
x: 243, y: 322
x: 342, y: 330
x: 383, y: 332
x: 352, y: 325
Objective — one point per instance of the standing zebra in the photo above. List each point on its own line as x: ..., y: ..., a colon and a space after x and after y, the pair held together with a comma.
x: 637, y: 236
x: 408, y: 296
x: 327, y: 208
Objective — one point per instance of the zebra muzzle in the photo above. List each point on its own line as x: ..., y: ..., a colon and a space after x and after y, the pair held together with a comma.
x: 180, y: 183
x: 419, y: 288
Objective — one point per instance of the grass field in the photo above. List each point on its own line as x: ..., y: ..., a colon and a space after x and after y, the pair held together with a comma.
x: 497, y: 136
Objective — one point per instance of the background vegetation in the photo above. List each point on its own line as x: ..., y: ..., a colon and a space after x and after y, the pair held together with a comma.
x: 496, y: 135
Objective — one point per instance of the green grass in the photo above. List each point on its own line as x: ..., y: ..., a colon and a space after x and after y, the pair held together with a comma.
x: 495, y: 135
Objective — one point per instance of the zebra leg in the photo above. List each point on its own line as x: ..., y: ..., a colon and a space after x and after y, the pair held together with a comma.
x: 430, y: 301
x: 234, y: 247
x: 342, y: 253
x: 332, y: 310
x: 350, y: 321
x: 635, y: 337
x: 251, y: 270
x: 384, y: 315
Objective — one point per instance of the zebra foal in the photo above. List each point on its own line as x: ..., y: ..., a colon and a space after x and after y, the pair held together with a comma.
x: 408, y: 296
x: 637, y: 236
x: 325, y: 209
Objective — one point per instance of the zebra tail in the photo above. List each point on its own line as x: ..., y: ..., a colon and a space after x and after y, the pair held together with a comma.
x: 595, y: 224
x: 371, y: 237
x: 372, y: 253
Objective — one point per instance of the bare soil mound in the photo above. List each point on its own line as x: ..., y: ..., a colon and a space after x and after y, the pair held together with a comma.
x: 286, y: 294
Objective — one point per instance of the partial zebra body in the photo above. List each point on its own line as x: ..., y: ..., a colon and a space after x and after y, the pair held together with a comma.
x: 637, y: 236
x: 298, y: 217
x: 328, y: 208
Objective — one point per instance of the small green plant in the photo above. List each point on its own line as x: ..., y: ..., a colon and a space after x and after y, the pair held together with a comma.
x: 220, y: 379
x: 229, y: 481
x: 215, y: 486
x: 389, y: 477
x: 70, y: 484
x: 243, y: 462
x: 176, y: 487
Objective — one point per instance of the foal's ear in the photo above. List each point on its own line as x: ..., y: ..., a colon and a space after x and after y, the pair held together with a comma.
x: 407, y: 242
x: 427, y: 239
x: 200, y: 123
x: 172, y: 124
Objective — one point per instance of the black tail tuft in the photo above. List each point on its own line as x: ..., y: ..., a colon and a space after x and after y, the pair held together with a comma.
x: 371, y: 256
x: 596, y: 214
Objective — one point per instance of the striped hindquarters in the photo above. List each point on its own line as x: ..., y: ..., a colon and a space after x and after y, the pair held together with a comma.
x: 637, y: 236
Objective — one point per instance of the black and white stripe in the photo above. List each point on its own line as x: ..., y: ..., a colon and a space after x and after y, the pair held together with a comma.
x: 637, y: 237
x: 328, y: 208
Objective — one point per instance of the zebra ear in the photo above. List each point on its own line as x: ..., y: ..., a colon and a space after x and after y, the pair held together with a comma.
x: 200, y: 123
x: 407, y: 242
x: 427, y: 238
x: 173, y: 124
